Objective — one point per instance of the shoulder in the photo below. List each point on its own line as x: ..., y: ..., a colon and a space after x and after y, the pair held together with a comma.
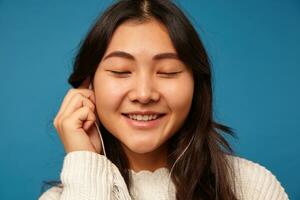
x: 254, y: 181
x: 52, y: 193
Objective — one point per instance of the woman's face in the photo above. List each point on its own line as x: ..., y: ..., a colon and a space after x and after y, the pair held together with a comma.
x: 143, y: 86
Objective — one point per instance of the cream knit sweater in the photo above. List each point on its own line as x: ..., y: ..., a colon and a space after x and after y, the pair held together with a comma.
x: 90, y: 176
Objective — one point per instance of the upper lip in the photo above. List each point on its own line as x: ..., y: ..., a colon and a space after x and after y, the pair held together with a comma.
x: 147, y: 112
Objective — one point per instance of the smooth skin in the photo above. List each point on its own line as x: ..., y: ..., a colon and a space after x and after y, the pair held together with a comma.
x: 145, y: 84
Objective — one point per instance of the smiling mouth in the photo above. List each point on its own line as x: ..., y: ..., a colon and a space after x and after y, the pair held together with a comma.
x: 144, y: 124
x: 159, y: 116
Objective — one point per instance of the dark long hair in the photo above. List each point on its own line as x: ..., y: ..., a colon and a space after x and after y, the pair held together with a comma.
x: 203, y: 171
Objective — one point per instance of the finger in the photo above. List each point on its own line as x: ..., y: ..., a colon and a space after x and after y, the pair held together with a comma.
x: 73, y: 135
x: 75, y: 103
x: 83, y: 118
x: 90, y: 120
x: 86, y: 85
x: 85, y: 92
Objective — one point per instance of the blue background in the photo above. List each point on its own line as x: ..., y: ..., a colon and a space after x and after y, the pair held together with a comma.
x: 254, y: 47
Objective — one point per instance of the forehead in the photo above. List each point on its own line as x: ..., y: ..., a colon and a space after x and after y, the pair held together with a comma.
x: 146, y: 38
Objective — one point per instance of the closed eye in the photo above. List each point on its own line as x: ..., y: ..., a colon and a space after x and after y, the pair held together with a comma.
x: 120, y: 72
x: 163, y: 73
x: 169, y: 73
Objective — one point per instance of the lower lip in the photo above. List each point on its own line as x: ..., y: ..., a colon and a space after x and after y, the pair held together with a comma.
x: 143, y: 124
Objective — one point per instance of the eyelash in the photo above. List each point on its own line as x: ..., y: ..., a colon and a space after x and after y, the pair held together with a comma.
x: 117, y: 72
x: 126, y: 72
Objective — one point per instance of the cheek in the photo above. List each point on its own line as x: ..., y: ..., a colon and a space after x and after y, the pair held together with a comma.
x: 109, y: 95
x: 179, y: 96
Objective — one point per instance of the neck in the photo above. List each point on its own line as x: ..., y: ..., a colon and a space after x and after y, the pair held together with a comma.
x: 147, y: 161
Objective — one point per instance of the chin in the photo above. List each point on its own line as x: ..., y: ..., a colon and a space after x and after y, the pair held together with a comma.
x: 141, y: 148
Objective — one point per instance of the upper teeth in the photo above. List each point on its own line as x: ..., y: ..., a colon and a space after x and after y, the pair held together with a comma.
x: 143, y: 117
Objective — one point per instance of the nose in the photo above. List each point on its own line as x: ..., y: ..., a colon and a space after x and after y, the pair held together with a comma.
x: 144, y: 90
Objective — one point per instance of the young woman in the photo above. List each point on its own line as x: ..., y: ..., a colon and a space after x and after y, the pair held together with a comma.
x: 143, y: 75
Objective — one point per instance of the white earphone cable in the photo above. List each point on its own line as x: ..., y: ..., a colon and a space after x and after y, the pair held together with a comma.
x: 103, y: 147
x: 177, y: 161
x: 97, y: 126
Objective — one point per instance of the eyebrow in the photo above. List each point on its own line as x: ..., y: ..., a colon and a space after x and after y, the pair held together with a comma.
x: 122, y: 54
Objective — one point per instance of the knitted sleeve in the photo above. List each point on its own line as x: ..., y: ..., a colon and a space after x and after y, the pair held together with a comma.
x: 255, y: 182
x: 88, y: 175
